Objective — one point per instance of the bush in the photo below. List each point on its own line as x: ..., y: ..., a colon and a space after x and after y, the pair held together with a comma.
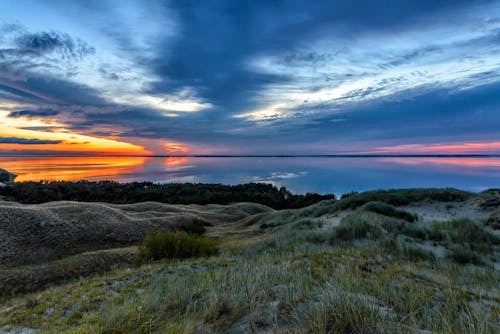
x: 196, y: 227
x: 179, y: 245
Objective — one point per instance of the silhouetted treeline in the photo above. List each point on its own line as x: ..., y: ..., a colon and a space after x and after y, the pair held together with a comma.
x: 172, y: 193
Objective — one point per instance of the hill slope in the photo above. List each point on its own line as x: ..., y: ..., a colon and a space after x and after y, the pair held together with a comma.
x: 397, y: 261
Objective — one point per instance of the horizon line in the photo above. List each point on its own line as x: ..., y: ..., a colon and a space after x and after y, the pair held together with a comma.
x: 478, y: 155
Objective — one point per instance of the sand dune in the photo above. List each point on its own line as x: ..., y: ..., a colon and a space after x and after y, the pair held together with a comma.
x: 38, y: 233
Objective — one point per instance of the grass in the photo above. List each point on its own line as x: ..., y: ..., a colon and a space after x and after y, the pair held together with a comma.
x: 413, y: 252
x: 338, y: 311
x: 26, y: 279
x: 317, y: 292
x: 366, y: 224
x: 358, y: 227
x: 464, y: 232
x: 378, y: 271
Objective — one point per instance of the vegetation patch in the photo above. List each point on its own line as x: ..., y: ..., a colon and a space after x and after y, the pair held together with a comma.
x: 494, y: 220
x: 401, y: 197
x: 463, y: 254
x: 413, y: 252
x: 376, y: 271
x: 171, y: 193
x: 175, y: 245
x: 388, y: 210
x: 464, y: 232
x: 358, y: 226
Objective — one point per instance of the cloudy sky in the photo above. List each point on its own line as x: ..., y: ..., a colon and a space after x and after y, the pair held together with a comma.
x: 236, y: 77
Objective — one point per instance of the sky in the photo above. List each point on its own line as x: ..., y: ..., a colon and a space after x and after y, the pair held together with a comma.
x: 249, y: 77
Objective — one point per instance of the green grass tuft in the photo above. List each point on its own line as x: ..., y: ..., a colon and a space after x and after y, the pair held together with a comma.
x: 388, y: 210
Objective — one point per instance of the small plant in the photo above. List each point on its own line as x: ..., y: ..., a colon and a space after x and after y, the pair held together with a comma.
x: 180, y: 245
x: 196, y: 227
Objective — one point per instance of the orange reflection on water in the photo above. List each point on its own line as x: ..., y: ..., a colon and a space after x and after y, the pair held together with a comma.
x: 72, y: 168
x: 177, y: 161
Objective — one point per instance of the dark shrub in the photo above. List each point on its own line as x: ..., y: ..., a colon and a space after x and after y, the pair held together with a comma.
x: 180, y: 245
x: 462, y: 255
x: 196, y: 227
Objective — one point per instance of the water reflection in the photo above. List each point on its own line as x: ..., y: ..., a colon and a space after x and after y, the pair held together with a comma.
x: 71, y: 168
x: 324, y: 175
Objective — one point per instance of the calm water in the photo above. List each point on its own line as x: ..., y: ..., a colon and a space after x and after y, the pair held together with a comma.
x: 323, y: 175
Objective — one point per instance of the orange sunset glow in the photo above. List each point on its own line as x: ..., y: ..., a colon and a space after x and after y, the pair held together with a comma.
x: 58, y: 139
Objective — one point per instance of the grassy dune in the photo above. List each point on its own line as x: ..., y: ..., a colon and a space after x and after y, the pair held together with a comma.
x: 407, y: 261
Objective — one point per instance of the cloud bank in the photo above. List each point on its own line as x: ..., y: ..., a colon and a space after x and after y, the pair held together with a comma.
x: 255, y: 77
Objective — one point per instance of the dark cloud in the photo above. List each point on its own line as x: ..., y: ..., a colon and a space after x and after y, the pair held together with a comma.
x: 16, y: 140
x: 47, y: 42
x: 45, y: 90
x: 438, y: 115
x: 108, y: 74
x: 218, y: 38
x: 23, y: 53
x: 34, y: 113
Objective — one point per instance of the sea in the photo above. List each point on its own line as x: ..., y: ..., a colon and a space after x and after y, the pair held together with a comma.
x: 320, y: 174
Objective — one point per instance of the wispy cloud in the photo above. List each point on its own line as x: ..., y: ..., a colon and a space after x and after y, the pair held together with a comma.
x: 330, y: 73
